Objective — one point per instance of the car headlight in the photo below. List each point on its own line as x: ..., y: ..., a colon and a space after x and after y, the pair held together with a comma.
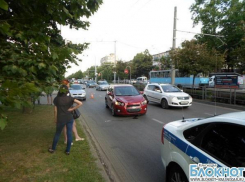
x: 174, y: 99
x: 144, y: 102
x: 117, y: 103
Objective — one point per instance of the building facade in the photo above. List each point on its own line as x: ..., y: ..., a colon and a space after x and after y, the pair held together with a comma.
x: 157, y: 57
x: 110, y: 59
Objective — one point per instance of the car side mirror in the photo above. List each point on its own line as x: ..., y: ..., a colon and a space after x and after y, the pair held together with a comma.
x: 141, y: 92
x: 83, y: 88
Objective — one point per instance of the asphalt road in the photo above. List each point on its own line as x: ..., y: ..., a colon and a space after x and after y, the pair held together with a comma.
x: 131, y: 146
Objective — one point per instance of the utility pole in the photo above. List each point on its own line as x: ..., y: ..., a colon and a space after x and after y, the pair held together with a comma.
x: 115, y: 62
x: 95, y: 71
x: 174, y: 46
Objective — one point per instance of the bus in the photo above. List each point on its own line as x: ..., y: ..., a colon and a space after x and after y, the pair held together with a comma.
x: 181, y: 80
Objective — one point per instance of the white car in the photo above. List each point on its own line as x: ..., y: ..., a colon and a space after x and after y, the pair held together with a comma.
x: 77, y: 91
x: 167, y: 95
x: 219, y: 140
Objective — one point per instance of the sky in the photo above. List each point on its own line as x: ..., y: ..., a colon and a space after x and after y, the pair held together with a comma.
x: 128, y: 27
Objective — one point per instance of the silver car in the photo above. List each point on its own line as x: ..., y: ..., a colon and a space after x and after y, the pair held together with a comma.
x: 78, y: 91
x: 167, y: 95
x: 102, y: 85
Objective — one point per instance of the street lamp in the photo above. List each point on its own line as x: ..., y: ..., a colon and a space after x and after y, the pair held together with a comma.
x: 130, y: 72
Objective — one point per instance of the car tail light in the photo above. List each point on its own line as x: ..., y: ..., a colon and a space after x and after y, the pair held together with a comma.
x: 162, y: 134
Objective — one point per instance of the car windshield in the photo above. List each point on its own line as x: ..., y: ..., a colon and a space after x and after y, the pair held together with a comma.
x: 103, y: 83
x: 170, y: 88
x: 75, y: 87
x: 126, y: 91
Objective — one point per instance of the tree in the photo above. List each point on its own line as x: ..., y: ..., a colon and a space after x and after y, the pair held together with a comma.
x: 33, y: 53
x: 120, y: 67
x: 142, y: 64
x: 106, y: 72
x: 77, y: 75
x: 165, y: 62
x: 90, y: 72
x: 221, y: 17
x: 194, y: 58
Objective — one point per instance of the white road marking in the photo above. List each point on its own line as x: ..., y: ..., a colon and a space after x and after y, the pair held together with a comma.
x: 108, y: 121
x: 157, y: 121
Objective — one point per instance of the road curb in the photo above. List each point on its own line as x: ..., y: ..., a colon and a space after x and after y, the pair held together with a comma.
x: 103, y: 163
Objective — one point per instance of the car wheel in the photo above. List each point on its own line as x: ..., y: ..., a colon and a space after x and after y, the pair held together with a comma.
x: 85, y: 99
x: 164, y: 104
x: 176, y: 174
x: 113, y: 113
x: 106, y: 105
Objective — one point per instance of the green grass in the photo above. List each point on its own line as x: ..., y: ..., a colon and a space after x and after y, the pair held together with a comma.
x: 24, y: 152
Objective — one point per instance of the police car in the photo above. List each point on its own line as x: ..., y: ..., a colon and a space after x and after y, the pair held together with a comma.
x: 219, y: 139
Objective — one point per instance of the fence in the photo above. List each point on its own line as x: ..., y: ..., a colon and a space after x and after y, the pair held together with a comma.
x: 228, y: 96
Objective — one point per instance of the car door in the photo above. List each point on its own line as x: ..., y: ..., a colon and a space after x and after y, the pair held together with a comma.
x: 157, y: 94
x: 220, y: 143
x: 148, y: 92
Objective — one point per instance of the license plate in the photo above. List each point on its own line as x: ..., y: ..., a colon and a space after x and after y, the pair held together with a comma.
x: 184, y: 102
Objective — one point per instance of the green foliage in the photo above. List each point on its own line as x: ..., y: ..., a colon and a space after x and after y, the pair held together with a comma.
x: 33, y: 54
x: 3, y: 121
x: 90, y: 72
x: 225, y: 18
x: 120, y: 67
x: 141, y: 64
x: 3, y: 5
x: 78, y: 75
x: 164, y: 63
x: 194, y: 58
x: 106, y: 72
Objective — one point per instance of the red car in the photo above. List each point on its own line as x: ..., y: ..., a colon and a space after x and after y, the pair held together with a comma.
x: 125, y: 100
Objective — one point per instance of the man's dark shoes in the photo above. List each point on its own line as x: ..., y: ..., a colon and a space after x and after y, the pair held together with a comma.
x: 51, y: 150
x: 67, y: 153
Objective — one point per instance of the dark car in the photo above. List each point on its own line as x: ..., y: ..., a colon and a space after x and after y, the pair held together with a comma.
x: 91, y: 84
x: 125, y: 100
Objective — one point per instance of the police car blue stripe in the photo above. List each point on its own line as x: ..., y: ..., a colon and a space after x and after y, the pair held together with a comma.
x: 187, y: 149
